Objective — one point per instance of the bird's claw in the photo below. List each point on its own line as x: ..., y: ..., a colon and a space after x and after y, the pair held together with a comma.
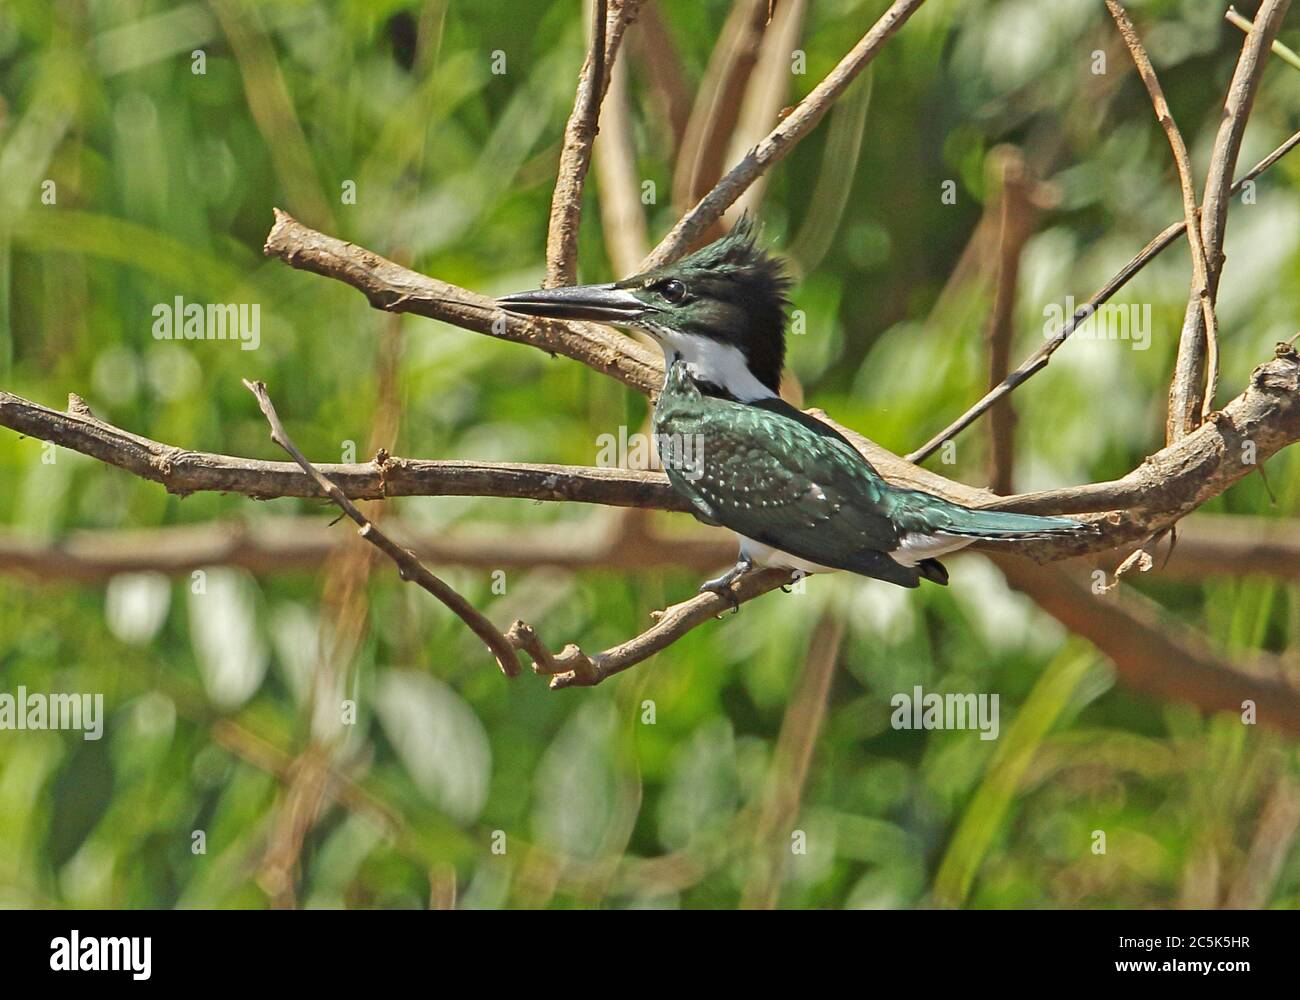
x: 721, y: 586
x: 724, y: 591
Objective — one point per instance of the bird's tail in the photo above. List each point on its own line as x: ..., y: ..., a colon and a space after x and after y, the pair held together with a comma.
x: 1000, y: 524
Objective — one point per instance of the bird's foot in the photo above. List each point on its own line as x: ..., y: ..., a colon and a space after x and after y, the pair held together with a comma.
x: 721, y: 585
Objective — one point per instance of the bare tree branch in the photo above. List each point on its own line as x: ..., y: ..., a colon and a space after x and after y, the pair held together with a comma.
x: 390, y: 286
x: 777, y: 143
x: 182, y: 471
x: 575, y: 158
x: 408, y: 566
x: 573, y: 668
x: 1191, y: 393
x: 1183, y: 163
x: 610, y: 20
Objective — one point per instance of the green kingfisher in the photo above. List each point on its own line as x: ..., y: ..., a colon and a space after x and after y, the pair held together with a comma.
x: 796, y: 492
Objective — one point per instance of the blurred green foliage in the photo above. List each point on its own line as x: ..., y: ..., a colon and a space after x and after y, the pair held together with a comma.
x: 165, y: 181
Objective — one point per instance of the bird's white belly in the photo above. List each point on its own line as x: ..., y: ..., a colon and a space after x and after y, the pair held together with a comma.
x: 765, y: 555
x: 911, y: 550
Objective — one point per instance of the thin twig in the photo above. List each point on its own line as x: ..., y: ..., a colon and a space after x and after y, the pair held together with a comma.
x: 392, y: 287
x: 573, y: 668
x: 1183, y: 163
x: 610, y: 21
x: 1196, y: 374
x: 575, y: 158
x: 408, y: 566
x: 777, y: 143
x: 1039, y: 359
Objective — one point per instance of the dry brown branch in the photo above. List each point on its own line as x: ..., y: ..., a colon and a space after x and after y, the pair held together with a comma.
x: 575, y: 157
x: 1165, y: 487
x: 573, y: 668
x: 409, y: 567
x: 610, y: 21
x: 182, y: 471
x: 1039, y: 359
x: 777, y: 143
x: 390, y: 286
x: 1183, y: 164
x: 1191, y: 393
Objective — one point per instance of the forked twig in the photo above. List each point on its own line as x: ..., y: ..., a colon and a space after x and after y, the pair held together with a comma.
x: 408, y: 566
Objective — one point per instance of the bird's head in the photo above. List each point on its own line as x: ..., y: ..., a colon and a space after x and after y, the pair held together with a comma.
x: 721, y: 311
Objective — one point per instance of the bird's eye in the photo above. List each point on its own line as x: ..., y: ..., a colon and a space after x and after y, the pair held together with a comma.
x: 672, y: 290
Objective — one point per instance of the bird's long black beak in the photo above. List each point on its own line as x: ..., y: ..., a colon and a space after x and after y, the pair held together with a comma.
x: 601, y: 303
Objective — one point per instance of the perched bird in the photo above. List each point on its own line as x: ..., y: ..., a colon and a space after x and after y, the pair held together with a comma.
x: 798, y: 494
